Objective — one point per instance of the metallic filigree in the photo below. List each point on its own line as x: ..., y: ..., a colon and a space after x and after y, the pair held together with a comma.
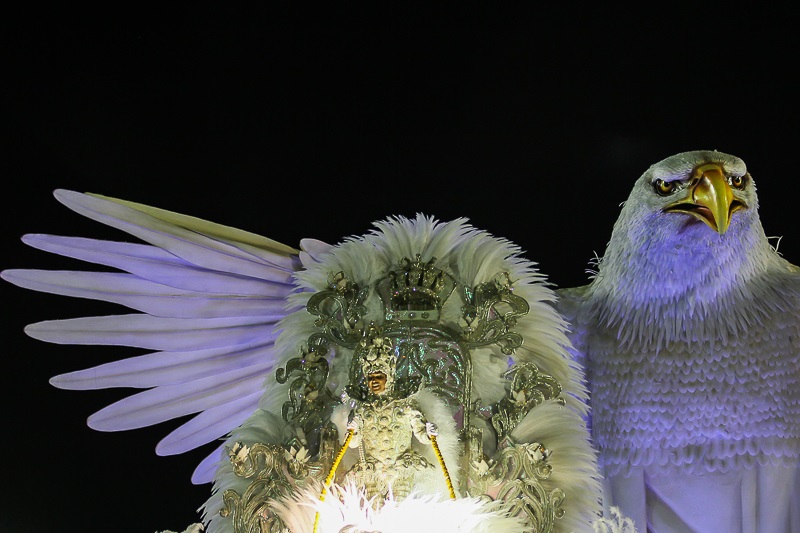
x: 251, y: 511
x: 310, y: 400
x: 516, y: 475
x: 340, y: 309
x: 529, y: 387
x: 427, y: 354
x: 491, y: 311
x: 274, y: 472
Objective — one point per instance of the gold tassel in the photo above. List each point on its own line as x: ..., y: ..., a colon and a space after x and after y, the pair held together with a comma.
x: 444, y: 467
x: 332, y: 472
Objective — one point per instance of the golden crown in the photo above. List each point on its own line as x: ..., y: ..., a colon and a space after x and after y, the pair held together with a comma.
x: 416, y: 290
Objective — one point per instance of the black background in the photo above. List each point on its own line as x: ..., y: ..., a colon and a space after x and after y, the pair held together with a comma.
x: 532, y: 122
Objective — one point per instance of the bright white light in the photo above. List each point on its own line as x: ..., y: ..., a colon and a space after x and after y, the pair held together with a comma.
x: 346, y: 510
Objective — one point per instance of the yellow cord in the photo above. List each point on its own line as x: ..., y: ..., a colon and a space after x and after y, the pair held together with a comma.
x: 343, y: 449
x: 332, y: 473
x: 444, y: 467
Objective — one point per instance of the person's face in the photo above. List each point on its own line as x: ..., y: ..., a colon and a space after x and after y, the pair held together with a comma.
x: 376, y: 381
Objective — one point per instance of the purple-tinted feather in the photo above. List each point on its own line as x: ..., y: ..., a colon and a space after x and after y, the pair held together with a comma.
x: 164, y: 368
x: 156, y: 265
x: 209, y: 425
x: 164, y: 403
x: 313, y: 249
x: 155, y: 333
x: 142, y: 295
x: 194, y: 247
x: 204, y: 473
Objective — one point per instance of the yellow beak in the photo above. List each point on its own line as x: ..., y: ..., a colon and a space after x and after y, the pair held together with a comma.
x: 709, y: 198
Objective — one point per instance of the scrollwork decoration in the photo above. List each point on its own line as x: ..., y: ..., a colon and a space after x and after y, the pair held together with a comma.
x: 250, y: 512
x: 310, y: 399
x: 528, y: 388
x: 490, y: 312
x: 517, y: 471
x: 340, y: 309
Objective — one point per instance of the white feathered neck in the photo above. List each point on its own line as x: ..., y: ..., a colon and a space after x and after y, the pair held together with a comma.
x: 667, y: 277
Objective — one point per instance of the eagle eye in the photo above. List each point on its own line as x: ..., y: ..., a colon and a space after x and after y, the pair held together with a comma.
x: 664, y: 188
x: 737, y: 182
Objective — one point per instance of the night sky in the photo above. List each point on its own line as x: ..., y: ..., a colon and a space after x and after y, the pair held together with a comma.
x: 531, y: 123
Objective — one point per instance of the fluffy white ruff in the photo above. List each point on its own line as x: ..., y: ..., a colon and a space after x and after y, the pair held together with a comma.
x: 345, y: 509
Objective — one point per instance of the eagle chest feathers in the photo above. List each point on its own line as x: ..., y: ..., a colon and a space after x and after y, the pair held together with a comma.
x: 699, y: 379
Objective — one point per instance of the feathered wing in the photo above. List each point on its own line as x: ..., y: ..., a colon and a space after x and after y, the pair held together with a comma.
x: 207, y: 299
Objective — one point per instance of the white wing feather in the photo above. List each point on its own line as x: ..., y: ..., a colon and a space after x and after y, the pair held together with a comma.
x: 208, y: 299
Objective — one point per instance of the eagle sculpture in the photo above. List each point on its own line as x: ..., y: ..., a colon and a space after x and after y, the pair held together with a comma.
x: 689, y: 332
